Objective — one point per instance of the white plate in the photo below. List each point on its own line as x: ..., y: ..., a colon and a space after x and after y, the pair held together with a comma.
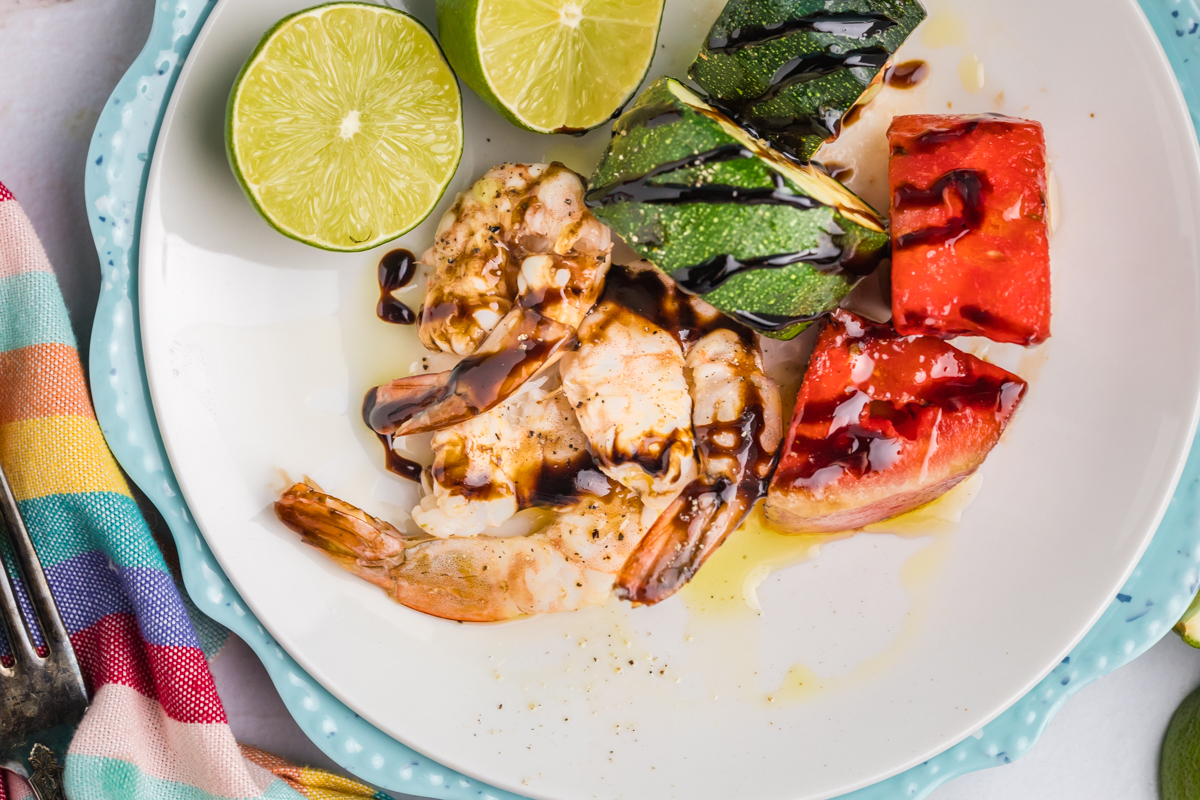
x: 259, y: 349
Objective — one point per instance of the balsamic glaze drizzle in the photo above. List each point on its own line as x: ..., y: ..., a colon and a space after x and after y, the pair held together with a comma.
x: 876, y: 426
x: 810, y: 66
x: 396, y: 463
x: 631, y: 189
x: 787, y: 129
x: 674, y: 194
x: 699, y: 279
x: 396, y: 270
x: 851, y: 25
x: 970, y: 185
x: 930, y: 139
x: 541, y: 484
x: 474, y: 385
x: 641, y: 190
x: 649, y: 116
x: 707, y: 276
x: 773, y: 323
x: 647, y: 294
x: 561, y: 486
x: 906, y: 75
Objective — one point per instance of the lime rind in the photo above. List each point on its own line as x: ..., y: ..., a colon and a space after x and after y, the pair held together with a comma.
x: 1188, y: 626
x: 552, y: 66
x: 1179, y: 762
x: 335, y: 174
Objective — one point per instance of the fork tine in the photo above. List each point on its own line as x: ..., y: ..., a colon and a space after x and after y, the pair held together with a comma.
x: 19, y: 640
x: 15, y: 633
x: 54, y: 632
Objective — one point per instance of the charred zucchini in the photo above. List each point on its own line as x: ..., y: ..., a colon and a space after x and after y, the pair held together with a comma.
x: 789, y: 70
x: 769, y: 242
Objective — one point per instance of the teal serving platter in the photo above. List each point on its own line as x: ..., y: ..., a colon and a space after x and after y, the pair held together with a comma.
x: 1154, y: 596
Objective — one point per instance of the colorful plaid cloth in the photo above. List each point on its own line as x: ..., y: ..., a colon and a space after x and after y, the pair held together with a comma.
x: 156, y: 729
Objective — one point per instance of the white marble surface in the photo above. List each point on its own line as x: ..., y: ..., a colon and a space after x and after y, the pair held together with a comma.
x: 59, y: 59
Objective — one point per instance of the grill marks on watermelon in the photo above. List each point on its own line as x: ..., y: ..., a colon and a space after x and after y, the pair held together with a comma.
x: 871, y: 441
x: 885, y: 423
x: 969, y: 227
x: 970, y: 186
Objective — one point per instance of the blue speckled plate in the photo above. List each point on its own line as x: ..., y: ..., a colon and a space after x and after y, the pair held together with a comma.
x: 1152, y: 599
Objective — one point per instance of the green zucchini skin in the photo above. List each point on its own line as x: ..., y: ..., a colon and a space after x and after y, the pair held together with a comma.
x: 790, y: 70
x: 681, y: 215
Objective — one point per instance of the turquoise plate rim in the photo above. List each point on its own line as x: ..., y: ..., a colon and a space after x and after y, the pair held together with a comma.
x: 1153, y: 598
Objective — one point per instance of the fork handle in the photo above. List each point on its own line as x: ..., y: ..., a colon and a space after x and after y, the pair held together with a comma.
x: 46, y: 774
x: 40, y: 760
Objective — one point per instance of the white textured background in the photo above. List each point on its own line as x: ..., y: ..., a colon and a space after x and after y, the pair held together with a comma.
x: 59, y: 59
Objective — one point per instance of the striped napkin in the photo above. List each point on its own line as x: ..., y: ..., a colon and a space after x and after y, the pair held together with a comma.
x: 156, y: 729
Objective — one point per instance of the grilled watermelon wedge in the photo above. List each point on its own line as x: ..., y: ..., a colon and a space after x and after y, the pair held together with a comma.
x: 970, y: 240
x: 790, y: 69
x: 884, y: 424
x: 769, y: 242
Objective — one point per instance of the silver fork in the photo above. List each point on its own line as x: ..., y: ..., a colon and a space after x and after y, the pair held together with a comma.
x: 41, y: 699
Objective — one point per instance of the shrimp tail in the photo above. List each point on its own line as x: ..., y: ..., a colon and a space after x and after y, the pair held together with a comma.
x: 359, y: 543
x: 737, y: 457
x: 565, y: 566
x: 522, y: 345
x: 412, y: 573
x: 388, y: 406
x: 682, y: 539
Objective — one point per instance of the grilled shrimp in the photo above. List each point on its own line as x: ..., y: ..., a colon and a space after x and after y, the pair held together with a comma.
x: 627, y: 385
x: 519, y: 261
x: 526, y: 452
x: 720, y: 394
x: 571, y: 564
x: 512, y: 211
x: 738, y: 419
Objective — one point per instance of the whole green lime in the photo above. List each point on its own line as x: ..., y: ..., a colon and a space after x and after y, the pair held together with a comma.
x: 1179, y: 769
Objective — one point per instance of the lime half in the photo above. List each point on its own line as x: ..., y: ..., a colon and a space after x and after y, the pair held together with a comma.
x: 345, y: 125
x: 551, y: 66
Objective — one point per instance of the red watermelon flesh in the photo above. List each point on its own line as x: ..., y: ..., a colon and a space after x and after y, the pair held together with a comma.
x: 970, y: 247
x: 884, y: 423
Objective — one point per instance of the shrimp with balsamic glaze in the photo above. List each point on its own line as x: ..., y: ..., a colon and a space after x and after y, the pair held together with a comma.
x: 644, y: 405
x: 527, y: 452
x: 518, y: 262
x: 738, y: 419
x: 654, y: 448
x: 627, y: 385
x: 568, y: 565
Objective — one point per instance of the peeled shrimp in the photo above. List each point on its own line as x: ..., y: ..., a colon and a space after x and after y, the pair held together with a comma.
x: 627, y: 385
x: 512, y: 211
x: 569, y: 565
x: 523, y: 292
x: 526, y: 452
x: 660, y: 378
x: 738, y: 420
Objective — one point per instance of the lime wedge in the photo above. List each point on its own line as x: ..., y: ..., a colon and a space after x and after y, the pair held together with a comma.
x: 551, y: 66
x: 345, y: 125
x: 1188, y: 626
